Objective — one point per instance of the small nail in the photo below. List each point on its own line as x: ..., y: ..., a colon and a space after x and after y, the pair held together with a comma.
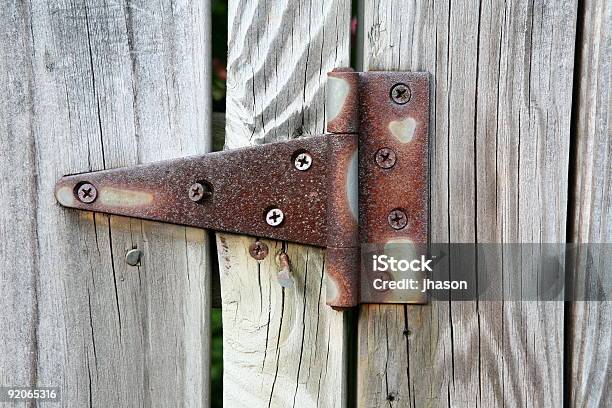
x: 132, y: 257
x: 284, y: 274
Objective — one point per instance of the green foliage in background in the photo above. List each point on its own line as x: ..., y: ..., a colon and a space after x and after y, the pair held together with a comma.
x: 219, y: 62
x: 219, y: 69
x: 216, y: 357
x: 219, y: 53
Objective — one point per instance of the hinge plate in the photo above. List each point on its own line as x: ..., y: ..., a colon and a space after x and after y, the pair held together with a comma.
x: 365, y: 184
x: 245, y: 184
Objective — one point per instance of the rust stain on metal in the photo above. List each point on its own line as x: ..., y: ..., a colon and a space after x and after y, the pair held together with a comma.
x: 406, y: 184
x: 404, y: 128
x: 239, y: 202
x: 364, y: 183
x: 390, y: 113
x: 343, y: 228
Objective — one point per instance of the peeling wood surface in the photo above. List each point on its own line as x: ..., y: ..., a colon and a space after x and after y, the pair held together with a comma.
x: 501, y: 107
x: 591, y: 322
x: 90, y: 85
x: 282, y: 347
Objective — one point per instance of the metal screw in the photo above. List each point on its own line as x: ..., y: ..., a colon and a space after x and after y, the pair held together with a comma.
x: 87, y: 193
x: 400, y: 93
x: 275, y: 217
x: 197, y: 191
x: 385, y: 158
x: 258, y: 250
x: 397, y: 219
x: 303, y: 161
x: 132, y: 257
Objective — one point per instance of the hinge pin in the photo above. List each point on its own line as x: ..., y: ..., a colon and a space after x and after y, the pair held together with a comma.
x: 275, y: 217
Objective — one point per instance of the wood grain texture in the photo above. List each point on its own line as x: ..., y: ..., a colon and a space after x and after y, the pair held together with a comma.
x: 89, y: 85
x: 282, y: 347
x: 590, y: 330
x: 18, y: 225
x: 593, y: 172
x: 500, y: 120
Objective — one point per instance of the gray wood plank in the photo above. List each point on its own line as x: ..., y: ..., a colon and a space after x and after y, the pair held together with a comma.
x: 282, y: 347
x: 590, y: 330
x: 18, y: 195
x: 91, y: 85
x: 501, y: 106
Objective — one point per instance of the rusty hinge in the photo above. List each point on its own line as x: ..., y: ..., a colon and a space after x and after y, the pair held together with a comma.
x: 358, y: 190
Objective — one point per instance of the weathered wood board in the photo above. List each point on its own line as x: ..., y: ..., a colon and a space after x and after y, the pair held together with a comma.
x: 590, y: 323
x: 88, y: 85
x: 500, y: 122
x: 282, y: 347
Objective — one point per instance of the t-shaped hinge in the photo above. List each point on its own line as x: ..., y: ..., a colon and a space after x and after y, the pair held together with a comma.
x: 362, y: 185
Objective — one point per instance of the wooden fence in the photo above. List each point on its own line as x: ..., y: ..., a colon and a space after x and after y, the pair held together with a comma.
x: 520, y: 152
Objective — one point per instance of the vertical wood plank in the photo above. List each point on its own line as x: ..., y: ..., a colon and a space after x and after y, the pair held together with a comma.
x: 100, y: 85
x: 282, y: 347
x: 590, y: 327
x: 501, y: 104
x: 18, y: 225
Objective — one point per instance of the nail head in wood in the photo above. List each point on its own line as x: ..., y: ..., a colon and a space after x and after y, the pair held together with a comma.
x: 132, y: 257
